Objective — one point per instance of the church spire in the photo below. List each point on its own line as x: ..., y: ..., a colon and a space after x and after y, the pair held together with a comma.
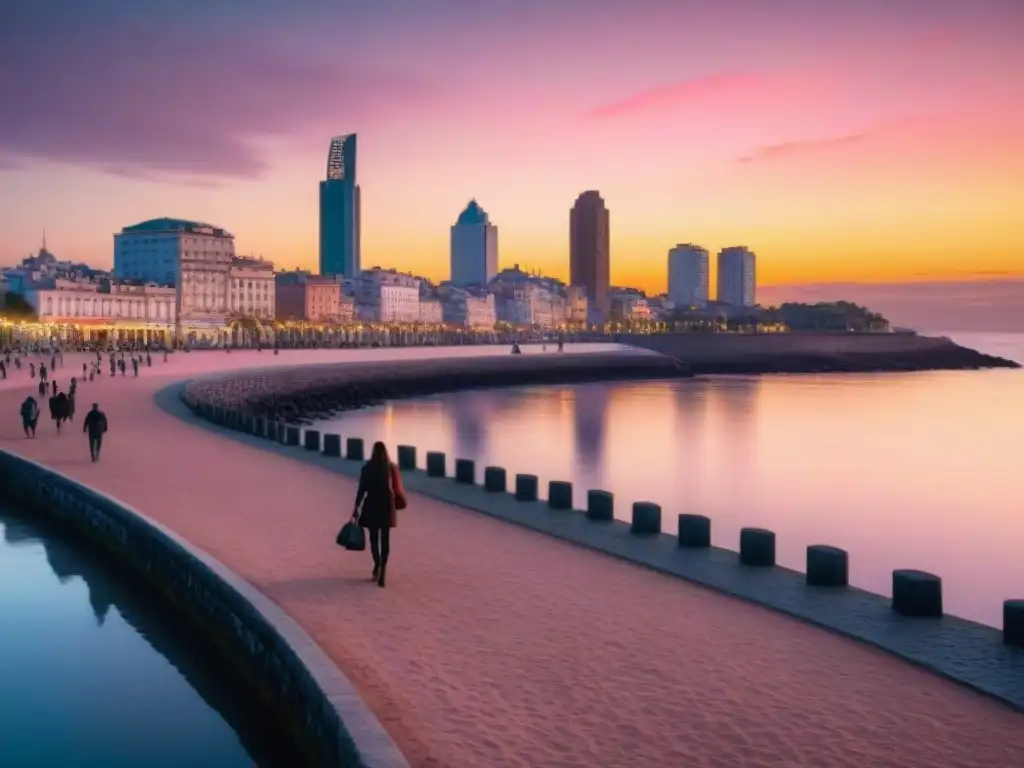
x: 44, y: 241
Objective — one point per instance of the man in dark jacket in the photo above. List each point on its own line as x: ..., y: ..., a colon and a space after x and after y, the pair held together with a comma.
x: 29, y: 416
x: 95, y: 425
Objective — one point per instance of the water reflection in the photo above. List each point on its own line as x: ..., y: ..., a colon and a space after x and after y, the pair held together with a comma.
x: 159, y: 721
x: 904, y: 471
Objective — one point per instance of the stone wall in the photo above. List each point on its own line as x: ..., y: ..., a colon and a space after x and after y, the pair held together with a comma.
x: 297, y: 393
x: 304, y: 690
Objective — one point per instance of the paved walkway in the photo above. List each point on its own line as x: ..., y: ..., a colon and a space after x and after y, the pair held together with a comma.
x: 493, y: 646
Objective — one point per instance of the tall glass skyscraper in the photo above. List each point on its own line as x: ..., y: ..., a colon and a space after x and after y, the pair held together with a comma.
x: 590, y: 250
x: 340, y: 210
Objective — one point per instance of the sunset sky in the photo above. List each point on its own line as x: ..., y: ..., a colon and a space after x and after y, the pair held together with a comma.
x: 867, y: 141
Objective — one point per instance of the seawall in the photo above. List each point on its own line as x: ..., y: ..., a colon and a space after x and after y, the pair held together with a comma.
x: 302, y: 393
x: 748, y: 353
x: 296, y: 681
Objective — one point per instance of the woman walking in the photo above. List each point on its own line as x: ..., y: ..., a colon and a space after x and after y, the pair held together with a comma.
x: 380, y: 494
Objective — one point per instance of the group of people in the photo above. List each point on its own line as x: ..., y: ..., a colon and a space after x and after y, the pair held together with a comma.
x: 61, y: 405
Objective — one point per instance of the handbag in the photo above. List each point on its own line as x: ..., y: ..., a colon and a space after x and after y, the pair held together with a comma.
x: 352, y: 537
x: 397, y: 489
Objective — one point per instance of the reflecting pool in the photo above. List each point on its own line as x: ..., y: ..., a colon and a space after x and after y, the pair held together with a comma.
x: 95, y: 671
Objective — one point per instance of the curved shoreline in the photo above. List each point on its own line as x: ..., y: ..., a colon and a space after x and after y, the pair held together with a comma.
x: 314, y: 700
x: 301, y: 394
x: 963, y: 651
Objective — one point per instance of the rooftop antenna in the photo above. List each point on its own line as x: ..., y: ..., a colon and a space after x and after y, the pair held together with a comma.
x: 44, y: 238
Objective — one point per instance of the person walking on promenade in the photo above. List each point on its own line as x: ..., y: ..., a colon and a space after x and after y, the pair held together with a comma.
x: 379, y: 496
x: 3, y: 370
x: 29, y: 416
x: 54, y: 384
x: 95, y: 425
x: 42, y: 389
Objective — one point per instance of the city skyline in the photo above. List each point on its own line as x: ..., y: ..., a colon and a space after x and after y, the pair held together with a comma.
x: 834, y: 159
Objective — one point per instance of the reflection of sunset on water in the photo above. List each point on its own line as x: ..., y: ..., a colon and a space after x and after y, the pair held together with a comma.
x: 903, y: 470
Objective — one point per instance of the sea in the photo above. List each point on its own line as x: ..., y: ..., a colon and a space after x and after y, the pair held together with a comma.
x: 903, y: 470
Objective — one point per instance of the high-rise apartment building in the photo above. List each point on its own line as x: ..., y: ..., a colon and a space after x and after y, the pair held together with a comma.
x: 737, y: 276
x: 340, y: 214
x: 590, y: 250
x: 474, y: 248
x: 688, y: 275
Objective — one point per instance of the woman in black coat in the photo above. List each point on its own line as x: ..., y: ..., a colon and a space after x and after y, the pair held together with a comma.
x: 379, y: 495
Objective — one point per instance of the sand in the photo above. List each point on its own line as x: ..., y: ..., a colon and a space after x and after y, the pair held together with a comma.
x: 495, y: 646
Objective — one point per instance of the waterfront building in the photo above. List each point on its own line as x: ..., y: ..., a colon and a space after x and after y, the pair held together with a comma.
x: 387, y: 296
x: 629, y: 305
x: 431, y: 311
x: 737, y: 277
x: 107, y: 309
x: 192, y: 256
x: 533, y: 300
x: 302, y: 296
x: 468, y: 307
x: 590, y: 249
x: 474, y: 247
x: 688, y: 270
x: 251, y: 290
x: 340, y: 211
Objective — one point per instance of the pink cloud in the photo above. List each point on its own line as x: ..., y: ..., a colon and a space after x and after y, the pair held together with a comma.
x: 791, y: 148
x: 158, y: 100
x: 684, y: 93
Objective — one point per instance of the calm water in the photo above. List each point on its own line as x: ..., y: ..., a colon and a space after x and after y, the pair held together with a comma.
x: 92, y: 675
x: 903, y: 470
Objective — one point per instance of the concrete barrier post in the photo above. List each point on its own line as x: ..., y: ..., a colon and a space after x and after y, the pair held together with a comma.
x: 1013, y: 623
x: 332, y: 445
x: 560, y: 494
x: 261, y: 427
x: 292, y: 436
x: 526, y: 487
x: 465, y: 472
x: 757, y: 547
x: 600, y: 505
x: 354, y: 449
x: 407, y: 457
x: 436, y: 464
x: 694, y: 531
x: 917, y: 593
x: 495, y: 480
x: 282, y: 434
x: 272, y: 430
x: 827, y: 566
x: 646, y: 518
x: 311, y: 440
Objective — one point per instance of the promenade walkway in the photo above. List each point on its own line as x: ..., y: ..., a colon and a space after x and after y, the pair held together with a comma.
x: 496, y: 647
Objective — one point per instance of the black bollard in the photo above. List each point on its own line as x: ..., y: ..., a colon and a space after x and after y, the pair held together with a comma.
x: 560, y: 494
x: 526, y: 487
x: 354, y: 449
x: 311, y: 440
x: 1013, y: 623
x: 757, y: 547
x: 332, y: 445
x: 465, y: 472
x: 827, y: 566
x: 600, y: 505
x: 917, y: 594
x: 694, y: 531
x: 407, y: 457
x: 495, y: 480
x: 436, y: 464
x: 646, y: 518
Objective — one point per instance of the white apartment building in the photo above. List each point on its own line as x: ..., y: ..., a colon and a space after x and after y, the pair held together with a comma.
x: 192, y: 256
x: 431, y: 312
x: 474, y: 248
x: 688, y: 275
x: 251, y: 288
x: 104, y: 307
x: 737, y: 276
x: 470, y: 310
x: 386, y: 296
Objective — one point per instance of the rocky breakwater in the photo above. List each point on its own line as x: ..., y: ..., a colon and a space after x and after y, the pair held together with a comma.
x: 303, y: 394
x: 750, y: 353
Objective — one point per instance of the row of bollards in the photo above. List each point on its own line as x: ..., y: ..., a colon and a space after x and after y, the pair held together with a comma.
x: 914, y: 593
